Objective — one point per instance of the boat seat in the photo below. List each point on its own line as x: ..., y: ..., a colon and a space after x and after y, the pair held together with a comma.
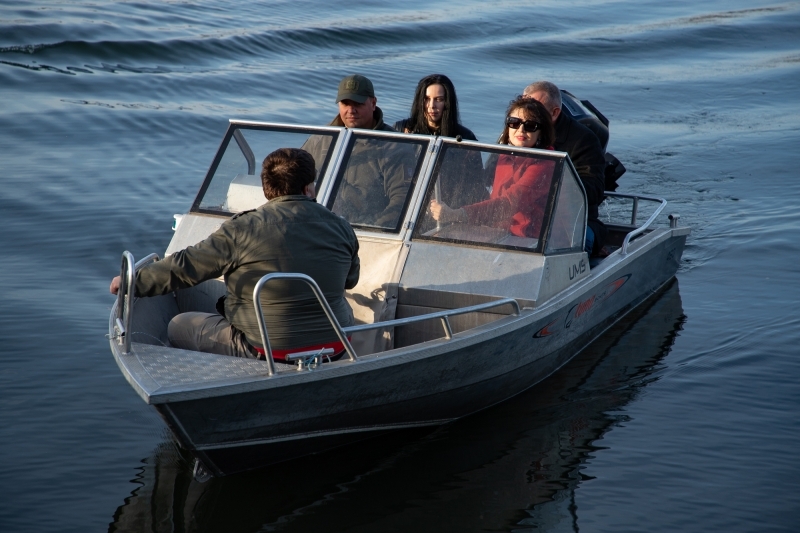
x: 245, y: 192
x: 201, y: 298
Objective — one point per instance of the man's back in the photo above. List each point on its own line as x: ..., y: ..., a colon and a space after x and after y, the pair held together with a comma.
x: 288, y: 234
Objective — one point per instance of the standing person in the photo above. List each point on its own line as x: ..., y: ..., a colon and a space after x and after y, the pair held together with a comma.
x: 521, y: 184
x: 290, y: 233
x: 585, y: 152
x: 434, y: 111
x: 378, y: 173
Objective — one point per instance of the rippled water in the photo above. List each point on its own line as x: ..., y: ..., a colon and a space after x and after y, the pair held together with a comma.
x: 684, y: 418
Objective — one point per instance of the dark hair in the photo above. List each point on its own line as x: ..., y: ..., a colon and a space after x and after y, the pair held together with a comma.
x: 286, y: 171
x: 532, y: 110
x: 450, y: 119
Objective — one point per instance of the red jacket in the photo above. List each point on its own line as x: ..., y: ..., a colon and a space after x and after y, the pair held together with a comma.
x: 519, y: 196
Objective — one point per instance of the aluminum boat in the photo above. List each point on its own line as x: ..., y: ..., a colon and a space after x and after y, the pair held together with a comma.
x: 451, y: 318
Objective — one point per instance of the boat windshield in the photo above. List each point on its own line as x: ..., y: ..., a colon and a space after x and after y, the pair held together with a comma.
x: 501, y: 197
x: 375, y: 180
x: 233, y: 183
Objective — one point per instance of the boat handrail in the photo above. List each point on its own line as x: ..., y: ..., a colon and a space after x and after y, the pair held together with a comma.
x: 634, y: 211
x: 342, y: 332
x: 444, y: 315
x: 124, y: 310
x: 262, y: 327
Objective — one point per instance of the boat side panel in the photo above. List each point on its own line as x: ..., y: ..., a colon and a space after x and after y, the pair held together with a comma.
x: 492, y: 272
x: 437, y: 388
x: 150, y: 318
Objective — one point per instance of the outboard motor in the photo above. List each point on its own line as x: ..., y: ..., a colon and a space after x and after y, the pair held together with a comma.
x: 584, y: 112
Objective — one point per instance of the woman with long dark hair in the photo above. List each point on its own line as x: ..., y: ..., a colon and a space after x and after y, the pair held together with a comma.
x: 434, y: 110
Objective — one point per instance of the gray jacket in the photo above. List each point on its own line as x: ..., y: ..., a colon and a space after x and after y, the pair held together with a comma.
x: 376, y: 180
x: 287, y: 234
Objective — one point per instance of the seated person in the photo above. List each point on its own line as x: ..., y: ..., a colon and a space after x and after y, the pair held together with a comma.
x: 585, y: 152
x: 521, y: 184
x: 377, y: 176
x: 434, y: 111
x: 289, y: 233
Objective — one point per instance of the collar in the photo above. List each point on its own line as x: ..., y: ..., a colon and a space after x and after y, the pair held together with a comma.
x: 291, y: 198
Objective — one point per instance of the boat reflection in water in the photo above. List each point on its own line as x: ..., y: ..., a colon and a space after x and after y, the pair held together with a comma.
x: 511, y: 467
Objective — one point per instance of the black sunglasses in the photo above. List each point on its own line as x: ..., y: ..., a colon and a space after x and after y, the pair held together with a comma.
x: 514, y: 123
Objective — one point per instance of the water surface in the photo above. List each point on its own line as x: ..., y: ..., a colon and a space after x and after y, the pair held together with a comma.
x: 685, y: 417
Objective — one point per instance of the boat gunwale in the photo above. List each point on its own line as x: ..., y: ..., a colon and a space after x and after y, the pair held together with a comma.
x: 398, y: 356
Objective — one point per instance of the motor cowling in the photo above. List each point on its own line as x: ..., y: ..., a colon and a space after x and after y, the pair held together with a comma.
x: 584, y: 112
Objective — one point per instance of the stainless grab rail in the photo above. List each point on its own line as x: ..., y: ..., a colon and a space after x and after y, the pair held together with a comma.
x: 122, y: 322
x: 641, y: 229
x: 262, y: 327
x: 438, y: 314
x: 342, y: 332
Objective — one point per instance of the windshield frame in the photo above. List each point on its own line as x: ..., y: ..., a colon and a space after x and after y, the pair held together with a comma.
x: 235, y: 127
x: 426, y: 191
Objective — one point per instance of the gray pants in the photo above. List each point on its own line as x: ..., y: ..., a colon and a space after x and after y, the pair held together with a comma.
x: 208, y: 332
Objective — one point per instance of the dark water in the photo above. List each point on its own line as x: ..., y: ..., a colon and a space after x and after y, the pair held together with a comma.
x: 685, y: 417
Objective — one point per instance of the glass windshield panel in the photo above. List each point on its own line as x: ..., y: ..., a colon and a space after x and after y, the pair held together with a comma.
x: 235, y: 183
x: 376, y: 179
x: 569, y: 217
x: 488, y: 197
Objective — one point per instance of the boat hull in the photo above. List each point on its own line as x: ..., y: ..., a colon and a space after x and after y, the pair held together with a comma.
x: 232, y: 427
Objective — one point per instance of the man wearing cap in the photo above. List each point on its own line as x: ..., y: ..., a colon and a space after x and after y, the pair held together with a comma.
x: 378, y: 172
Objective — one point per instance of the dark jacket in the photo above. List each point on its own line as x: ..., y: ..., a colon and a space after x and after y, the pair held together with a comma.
x: 287, y: 234
x: 461, y: 131
x: 586, y: 154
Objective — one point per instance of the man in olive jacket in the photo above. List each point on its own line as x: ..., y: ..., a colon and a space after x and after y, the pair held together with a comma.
x: 290, y: 233
x: 378, y: 172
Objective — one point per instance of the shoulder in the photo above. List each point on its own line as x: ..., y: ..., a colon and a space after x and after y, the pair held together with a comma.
x: 571, y: 131
x: 465, y: 133
x: 401, y: 125
x: 242, y: 213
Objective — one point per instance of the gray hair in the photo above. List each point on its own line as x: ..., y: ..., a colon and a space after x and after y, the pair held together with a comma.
x: 550, y: 89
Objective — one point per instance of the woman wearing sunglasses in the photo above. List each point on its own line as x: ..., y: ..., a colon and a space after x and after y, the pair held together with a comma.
x: 521, y: 184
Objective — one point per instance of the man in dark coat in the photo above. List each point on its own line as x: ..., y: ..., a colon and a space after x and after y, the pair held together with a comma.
x: 585, y: 152
x: 289, y: 233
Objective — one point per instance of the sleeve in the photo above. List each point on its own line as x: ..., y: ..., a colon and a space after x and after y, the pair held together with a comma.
x: 355, y: 265
x: 208, y: 259
x: 523, y: 195
x: 587, y: 156
x: 317, y: 146
x: 396, y: 169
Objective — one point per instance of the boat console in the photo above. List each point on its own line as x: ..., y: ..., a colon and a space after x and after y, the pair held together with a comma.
x: 383, y: 183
